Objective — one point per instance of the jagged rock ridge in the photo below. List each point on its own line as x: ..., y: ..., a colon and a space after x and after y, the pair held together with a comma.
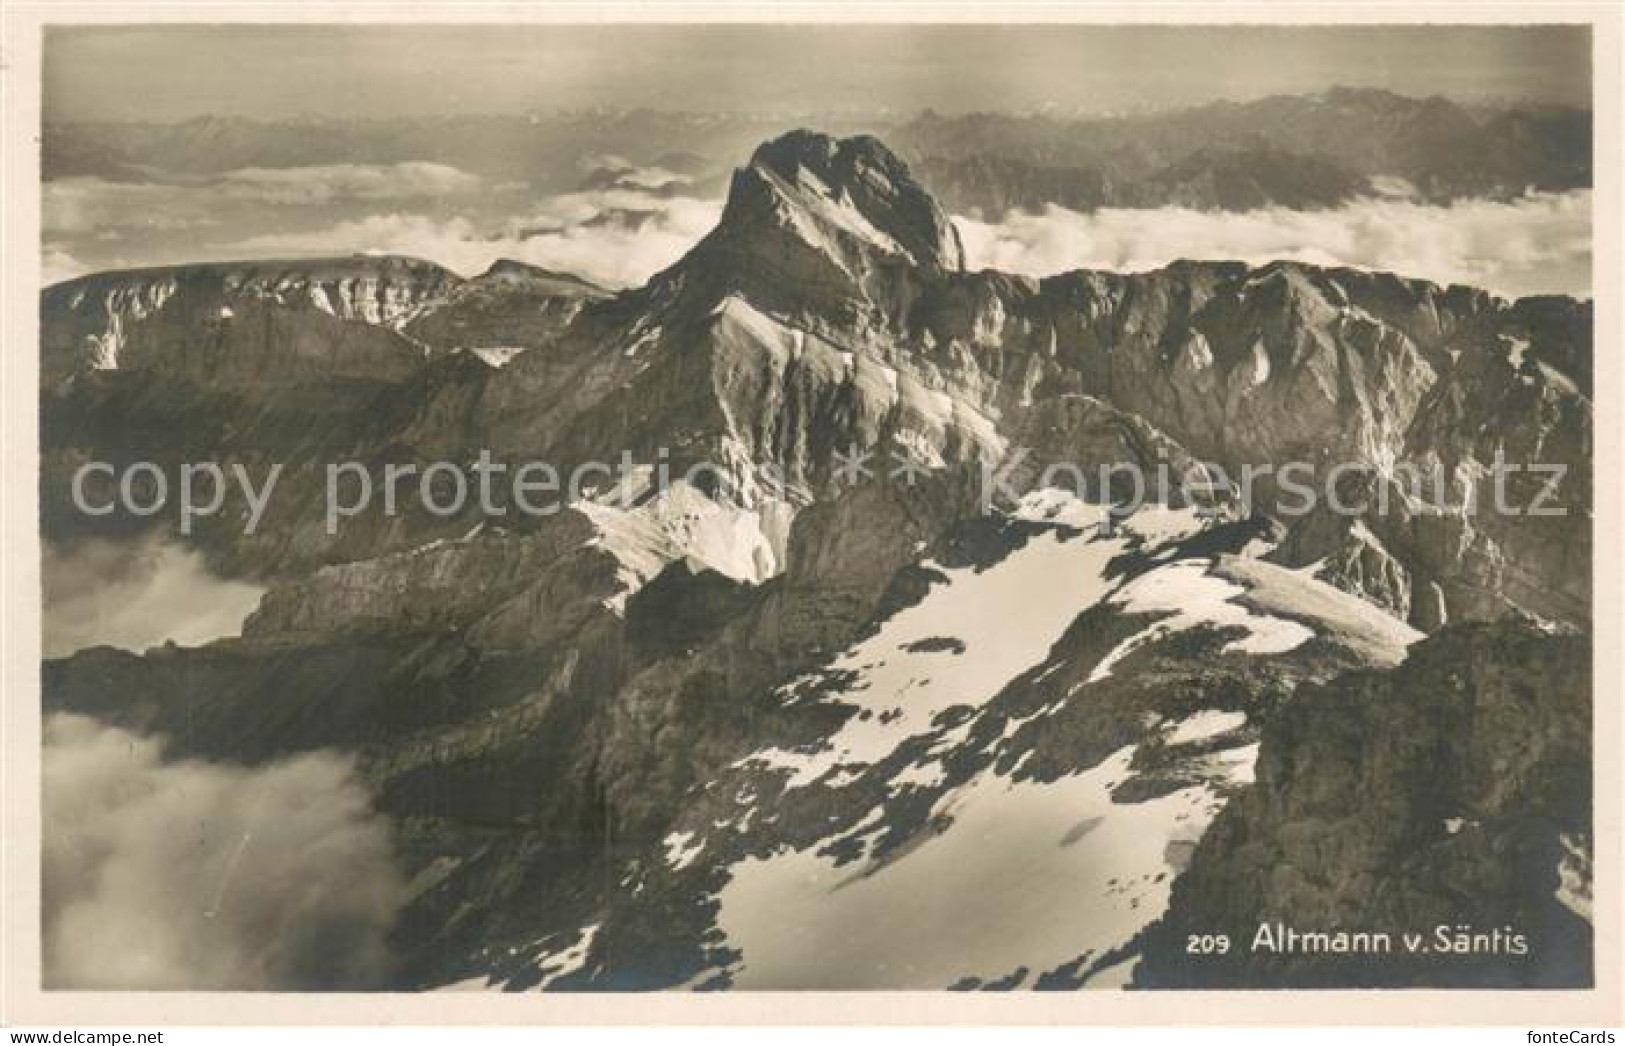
x: 829, y: 308
x: 588, y: 789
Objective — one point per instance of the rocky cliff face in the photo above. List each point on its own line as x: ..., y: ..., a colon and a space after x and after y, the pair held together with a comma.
x: 629, y: 744
x: 914, y: 662
x: 1451, y: 793
x: 505, y: 310
x: 829, y: 310
x: 977, y: 800
x: 242, y: 322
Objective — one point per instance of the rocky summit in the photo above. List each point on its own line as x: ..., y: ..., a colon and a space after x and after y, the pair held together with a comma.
x: 770, y: 728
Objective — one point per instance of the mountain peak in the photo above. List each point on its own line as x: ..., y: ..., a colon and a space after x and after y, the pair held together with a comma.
x: 833, y: 159
x: 512, y: 271
x: 851, y: 190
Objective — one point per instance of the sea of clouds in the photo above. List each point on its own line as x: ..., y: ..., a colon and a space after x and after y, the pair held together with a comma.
x: 162, y: 873
x: 136, y: 594
x: 626, y: 222
x: 186, y: 874
x: 616, y: 235
x: 615, y: 239
x: 1537, y: 244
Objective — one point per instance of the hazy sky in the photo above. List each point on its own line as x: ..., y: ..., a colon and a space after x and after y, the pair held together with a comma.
x: 177, y: 72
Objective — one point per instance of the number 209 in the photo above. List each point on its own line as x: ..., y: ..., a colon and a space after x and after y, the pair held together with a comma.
x: 1207, y: 944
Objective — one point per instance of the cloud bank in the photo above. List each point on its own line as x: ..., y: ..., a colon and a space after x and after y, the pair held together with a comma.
x: 322, y: 184
x: 615, y: 238
x: 1538, y: 244
x: 134, y: 595
x: 204, y: 876
x: 622, y: 226
x: 90, y: 204
x: 625, y: 223
x: 57, y: 265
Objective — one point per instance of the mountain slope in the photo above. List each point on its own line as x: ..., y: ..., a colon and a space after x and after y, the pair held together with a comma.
x: 1468, y: 811
x: 754, y: 727
x: 828, y: 309
x: 968, y: 795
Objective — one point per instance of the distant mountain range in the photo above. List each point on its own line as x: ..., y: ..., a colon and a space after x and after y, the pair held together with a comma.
x: 1292, y: 151
x: 772, y: 729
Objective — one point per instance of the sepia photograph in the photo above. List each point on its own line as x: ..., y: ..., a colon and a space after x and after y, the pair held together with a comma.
x: 1077, y: 510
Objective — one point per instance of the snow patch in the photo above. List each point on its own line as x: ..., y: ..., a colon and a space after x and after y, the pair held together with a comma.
x: 1204, y: 725
x: 1188, y: 595
x: 319, y: 298
x: 570, y: 960
x: 681, y: 849
x: 746, y: 544
x: 1007, y: 618
x: 1022, y: 873
x: 1261, y: 364
x: 1574, y: 878
x: 497, y: 356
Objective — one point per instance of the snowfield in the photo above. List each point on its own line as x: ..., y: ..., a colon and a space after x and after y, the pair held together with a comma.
x: 1026, y: 878
x: 1009, y: 881
x: 1009, y: 878
x: 925, y: 833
